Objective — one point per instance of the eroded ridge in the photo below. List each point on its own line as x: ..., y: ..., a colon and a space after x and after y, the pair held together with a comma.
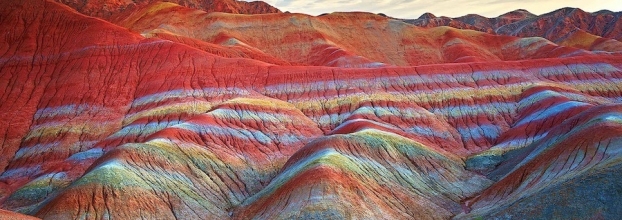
x: 99, y: 121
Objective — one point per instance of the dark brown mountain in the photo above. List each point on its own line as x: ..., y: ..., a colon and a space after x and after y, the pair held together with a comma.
x: 566, y: 26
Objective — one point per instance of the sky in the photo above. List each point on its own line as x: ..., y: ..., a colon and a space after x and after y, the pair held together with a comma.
x: 450, y: 8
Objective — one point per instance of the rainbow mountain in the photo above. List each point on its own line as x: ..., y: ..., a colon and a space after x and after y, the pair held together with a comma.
x: 233, y: 110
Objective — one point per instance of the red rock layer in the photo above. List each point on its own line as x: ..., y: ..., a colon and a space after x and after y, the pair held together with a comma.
x: 328, y: 40
x: 107, y: 9
x: 8, y: 215
x: 343, y: 176
x: 567, y: 153
x: 104, y: 123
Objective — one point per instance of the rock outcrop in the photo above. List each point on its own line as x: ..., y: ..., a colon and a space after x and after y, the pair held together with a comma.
x: 107, y: 9
x: 171, y: 112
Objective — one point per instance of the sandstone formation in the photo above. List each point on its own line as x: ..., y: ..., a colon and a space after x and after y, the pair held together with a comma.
x: 327, y: 40
x: 110, y: 8
x: 8, y: 215
x: 169, y: 112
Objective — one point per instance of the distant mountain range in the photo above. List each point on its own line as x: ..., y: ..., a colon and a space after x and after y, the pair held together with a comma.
x: 567, y: 26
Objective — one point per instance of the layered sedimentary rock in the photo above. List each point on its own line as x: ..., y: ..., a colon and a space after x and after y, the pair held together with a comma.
x: 598, y: 31
x: 221, y: 118
x: 108, y: 9
x: 4, y: 214
x: 336, y: 39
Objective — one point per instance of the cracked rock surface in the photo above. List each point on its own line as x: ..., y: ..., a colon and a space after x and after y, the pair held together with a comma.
x: 166, y: 111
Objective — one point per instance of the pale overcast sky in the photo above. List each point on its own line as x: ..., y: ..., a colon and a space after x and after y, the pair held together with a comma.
x: 451, y: 8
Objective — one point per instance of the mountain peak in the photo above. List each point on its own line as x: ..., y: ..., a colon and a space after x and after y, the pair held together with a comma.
x: 519, y: 13
x: 427, y: 15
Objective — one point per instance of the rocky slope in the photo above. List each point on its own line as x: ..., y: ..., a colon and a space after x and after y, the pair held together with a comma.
x: 110, y: 8
x: 171, y: 112
x: 328, y: 40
